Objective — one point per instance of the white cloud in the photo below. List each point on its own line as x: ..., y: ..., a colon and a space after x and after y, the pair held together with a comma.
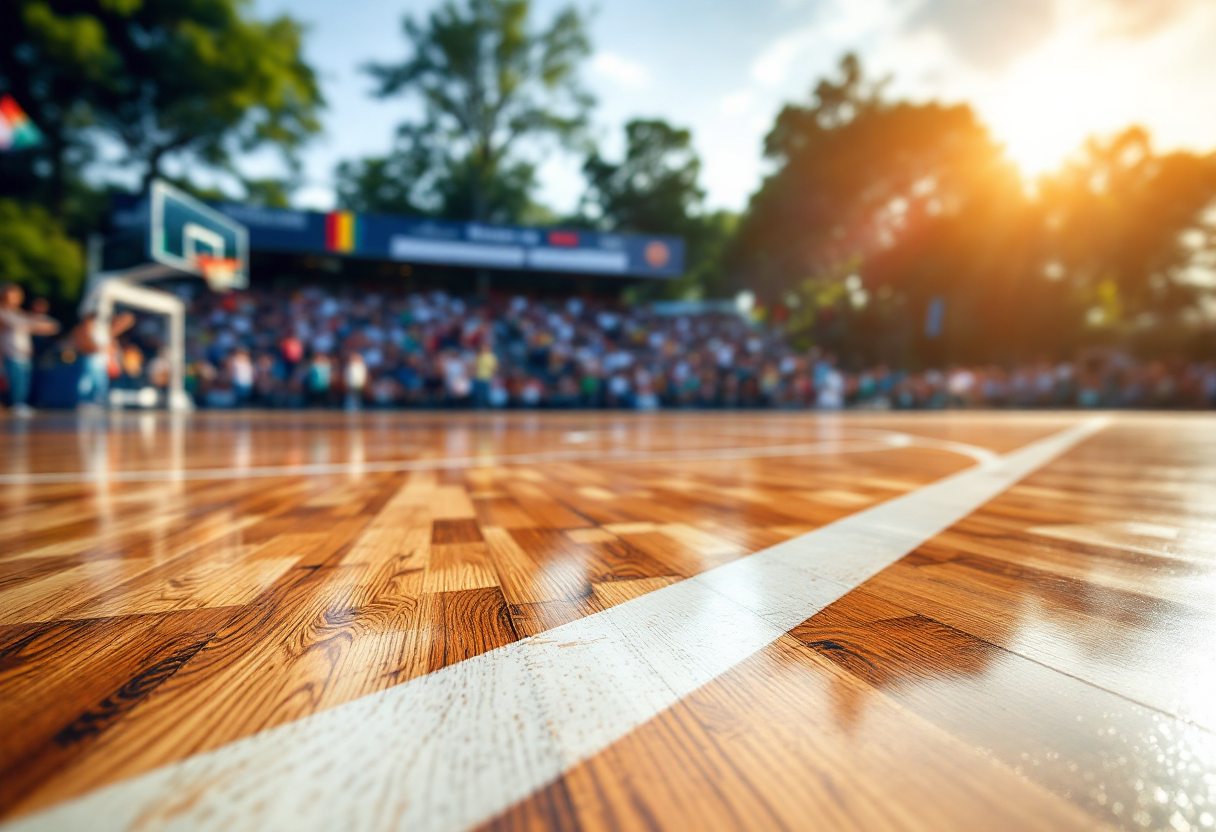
x: 620, y: 70
x: 1103, y: 64
x: 991, y: 34
x: 1084, y: 67
x: 837, y: 27
x: 736, y: 103
x: 1139, y: 18
x: 773, y: 65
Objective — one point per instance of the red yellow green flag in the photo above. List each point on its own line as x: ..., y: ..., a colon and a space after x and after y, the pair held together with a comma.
x: 17, y: 132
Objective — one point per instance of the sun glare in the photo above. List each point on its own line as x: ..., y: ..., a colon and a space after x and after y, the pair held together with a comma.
x: 1046, y: 105
x: 1044, y: 117
x: 1037, y: 150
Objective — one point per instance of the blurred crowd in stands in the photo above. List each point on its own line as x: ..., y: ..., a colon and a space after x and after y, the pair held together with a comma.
x: 315, y: 348
x: 433, y: 349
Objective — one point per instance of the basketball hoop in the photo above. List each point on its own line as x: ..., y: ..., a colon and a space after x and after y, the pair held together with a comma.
x: 221, y: 273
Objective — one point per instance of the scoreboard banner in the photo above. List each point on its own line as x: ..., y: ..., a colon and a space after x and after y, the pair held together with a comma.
x: 472, y: 245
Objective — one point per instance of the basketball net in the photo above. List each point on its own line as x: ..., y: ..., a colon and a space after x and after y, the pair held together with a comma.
x: 219, y: 272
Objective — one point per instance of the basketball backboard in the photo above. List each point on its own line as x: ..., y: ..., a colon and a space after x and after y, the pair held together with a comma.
x: 196, y: 239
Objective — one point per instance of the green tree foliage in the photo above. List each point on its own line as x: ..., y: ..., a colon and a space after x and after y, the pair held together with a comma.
x: 268, y: 193
x: 201, y: 80
x: 655, y: 189
x: 873, y: 192
x: 489, y: 83
x: 876, y: 207
x: 204, y: 81
x: 855, y: 172
x: 36, y: 253
x: 1130, y: 228
x: 53, y: 61
x: 708, y: 243
x: 385, y: 184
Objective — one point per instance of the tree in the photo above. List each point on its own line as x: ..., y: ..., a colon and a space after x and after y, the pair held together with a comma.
x: 894, y: 201
x: 708, y: 244
x: 36, y: 253
x: 853, y: 172
x: 488, y: 83
x: 53, y: 63
x: 200, y: 81
x: 387, y: 184
x: 1128, y: 227
x: 653, y: 188
x: 204, y: 81
x: 268, y: 193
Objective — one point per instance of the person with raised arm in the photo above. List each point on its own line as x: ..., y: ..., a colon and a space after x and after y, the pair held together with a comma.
x: 94, y: 340
x: 17, y: 328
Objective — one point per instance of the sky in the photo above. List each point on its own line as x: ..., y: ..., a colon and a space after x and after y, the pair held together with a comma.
x: 1042, y: 74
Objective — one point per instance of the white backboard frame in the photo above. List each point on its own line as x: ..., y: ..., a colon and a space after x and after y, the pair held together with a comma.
x: 194, y: 235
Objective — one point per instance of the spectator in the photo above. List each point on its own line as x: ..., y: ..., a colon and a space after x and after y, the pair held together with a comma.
x: 320, y: 372
x: 437, y: 349
x: 159, y: 372
x: 455, y: 378
x: 132, y: 365
x: 16, y: 344
x: 241, y: 371
x: 94, y: 341
x: 487, y: 366
x: 292, y: 349
x: 356, y: 380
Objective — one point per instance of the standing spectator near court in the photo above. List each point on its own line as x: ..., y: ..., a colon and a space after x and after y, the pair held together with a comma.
x: 317, y: 381
x: 356, y: 380
x: 456, y: 378
x: 830, y: 388
x: 159, y: 369
x: 94, y: 339
x: 240, y: 368
x: 42, y: 340
x: 483, y: 374
x: 16, y: 345
x: 292, y: 350
x: 132, y: 364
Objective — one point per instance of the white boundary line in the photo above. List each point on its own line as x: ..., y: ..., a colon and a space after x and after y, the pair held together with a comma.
x: 883, y: 440
x: 456, y: 747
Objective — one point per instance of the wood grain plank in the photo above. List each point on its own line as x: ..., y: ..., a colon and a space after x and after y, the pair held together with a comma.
x: 153, y: 621
x: 1048, y: 727
x: 467, y: 623
x: 760, y: 748
x: 459, y: 566
x: 117, y: 663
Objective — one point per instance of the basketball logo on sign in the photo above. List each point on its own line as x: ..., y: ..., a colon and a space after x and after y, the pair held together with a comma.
x: 657, y: 254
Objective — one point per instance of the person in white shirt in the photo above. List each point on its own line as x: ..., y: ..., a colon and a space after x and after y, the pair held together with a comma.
x: 240, y: 367
x: 94, y: 338
x: 17, y: 346
x: 456, y: 378
x: 356, y: 380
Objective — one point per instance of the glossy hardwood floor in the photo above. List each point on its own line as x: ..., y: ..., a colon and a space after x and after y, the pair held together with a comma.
x: 179, y: 592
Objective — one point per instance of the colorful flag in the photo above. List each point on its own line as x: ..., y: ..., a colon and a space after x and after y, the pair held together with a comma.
x: 17, y: 132
x: 342, y: 231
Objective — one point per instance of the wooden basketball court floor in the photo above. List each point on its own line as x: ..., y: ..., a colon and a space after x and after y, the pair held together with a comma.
x: 761, y: 621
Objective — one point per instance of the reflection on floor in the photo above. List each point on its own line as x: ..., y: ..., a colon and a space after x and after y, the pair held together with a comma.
x: 170, y: 586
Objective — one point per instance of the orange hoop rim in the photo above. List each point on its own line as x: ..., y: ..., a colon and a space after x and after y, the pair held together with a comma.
x: 219, y: 272
x: 207, y: 263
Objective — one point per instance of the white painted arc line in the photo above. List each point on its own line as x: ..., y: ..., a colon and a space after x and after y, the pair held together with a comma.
x: 454, y: 748
x: 885, y: 442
